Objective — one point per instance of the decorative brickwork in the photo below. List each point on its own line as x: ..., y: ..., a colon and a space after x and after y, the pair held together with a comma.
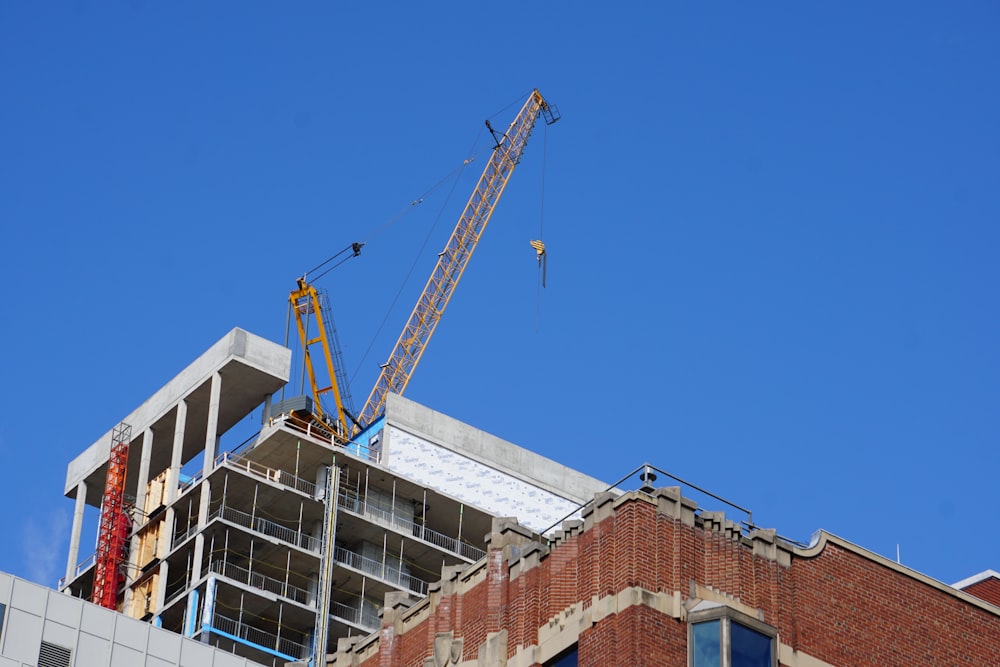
x: 620, y: 586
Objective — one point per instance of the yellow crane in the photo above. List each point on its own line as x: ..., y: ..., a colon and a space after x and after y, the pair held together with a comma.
x: 426, y: 315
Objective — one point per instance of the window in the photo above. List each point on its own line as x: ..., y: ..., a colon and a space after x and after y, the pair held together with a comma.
x: 3, y: 610
x: 567, y: 658
x: 724, y: 637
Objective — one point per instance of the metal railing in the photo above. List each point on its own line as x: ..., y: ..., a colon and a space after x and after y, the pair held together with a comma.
x: 264, y: 527
x: 262, y: 638
x: 276, y: 475
x: 364, y: 618
x: 180, y: 537
x: 385, y: 571
x: 81, y: 567
x: 325, y: 435
x: 409, y: 526
x: 260, y: 581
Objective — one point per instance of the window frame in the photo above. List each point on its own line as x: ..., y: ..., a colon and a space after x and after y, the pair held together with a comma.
x: 726, y: 616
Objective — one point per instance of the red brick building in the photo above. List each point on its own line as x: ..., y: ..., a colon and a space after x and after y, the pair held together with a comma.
x: 985, y: 585
x: 647, y: 579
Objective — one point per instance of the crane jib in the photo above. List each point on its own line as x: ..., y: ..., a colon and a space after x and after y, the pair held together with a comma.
x: 447, y: 272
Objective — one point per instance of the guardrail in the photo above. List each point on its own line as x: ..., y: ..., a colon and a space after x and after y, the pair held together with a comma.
x: 262, y: 638
x: 81, y: 567
x: 326, y: 436
x: 385, y: 571
x: 264, y: 527
x: 260, y: 581
x: 279, y: 476
x: 366, y: 619
x: 406, y: 525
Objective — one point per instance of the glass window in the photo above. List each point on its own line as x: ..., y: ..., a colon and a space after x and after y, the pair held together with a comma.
x: 749, y: 648
x: 707, y: 649
x: 3, y: 609
x: 566, y: 659
x: 723, y: 637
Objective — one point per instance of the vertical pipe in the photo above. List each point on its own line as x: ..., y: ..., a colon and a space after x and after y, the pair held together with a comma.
x: 385, y: 538
x: 253, y: 508
x: 277, y: 635
x: 211, y: 552
x: 458, y: 542
x: 423, y: 516
x: 288, y: 567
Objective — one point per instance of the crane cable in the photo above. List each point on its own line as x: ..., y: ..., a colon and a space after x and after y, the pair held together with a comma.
x: 539, y: 245
x: 456, y: 173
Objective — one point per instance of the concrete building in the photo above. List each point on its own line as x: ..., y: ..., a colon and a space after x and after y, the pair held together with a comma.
x: 241, y: 546
x: 42, y: 628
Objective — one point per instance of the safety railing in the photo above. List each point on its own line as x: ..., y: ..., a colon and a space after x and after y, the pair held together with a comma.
x: 260, y: 581
x: 367, y: 619
x: 276, y: 475
x: 286, y: 646
x: 407, y: 525
x: 264, y: 527
x: 385, y: 571
x: 81, y: 567
x: 186, y: 533
x: 325, y: 435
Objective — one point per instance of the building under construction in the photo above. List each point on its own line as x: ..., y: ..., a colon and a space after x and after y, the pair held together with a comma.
x: 247, y: 548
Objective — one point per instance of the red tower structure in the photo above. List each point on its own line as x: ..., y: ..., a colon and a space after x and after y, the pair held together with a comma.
x: 112, y: 536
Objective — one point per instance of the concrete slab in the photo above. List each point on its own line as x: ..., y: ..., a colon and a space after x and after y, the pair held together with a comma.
x: 252, y: 368
x: 490, y: 450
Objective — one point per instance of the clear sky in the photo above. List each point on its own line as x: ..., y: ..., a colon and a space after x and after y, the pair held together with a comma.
x: 773, y: 236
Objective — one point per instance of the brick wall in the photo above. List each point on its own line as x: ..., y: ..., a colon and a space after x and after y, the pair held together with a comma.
x: 987, y: 589
x: 621, y: 584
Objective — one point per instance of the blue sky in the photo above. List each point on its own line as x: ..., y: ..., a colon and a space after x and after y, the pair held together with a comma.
x: 772, y: 235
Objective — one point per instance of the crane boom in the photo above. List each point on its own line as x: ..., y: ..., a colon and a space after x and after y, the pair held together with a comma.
x: 396, y: 373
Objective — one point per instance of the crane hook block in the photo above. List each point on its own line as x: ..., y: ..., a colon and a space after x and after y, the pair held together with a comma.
x: 542, y: 257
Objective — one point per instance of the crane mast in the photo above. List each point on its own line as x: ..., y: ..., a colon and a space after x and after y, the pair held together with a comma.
x: 398, y: 370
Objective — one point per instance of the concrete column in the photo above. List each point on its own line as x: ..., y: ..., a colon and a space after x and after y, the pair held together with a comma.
x: 173, y: 477
x: 199, y: 539
x: 143, y: 479
x: 74, y: 540
x: 161, y: 588
x: 199, y: 552
x: 212, y: 429
x: 170, y: 495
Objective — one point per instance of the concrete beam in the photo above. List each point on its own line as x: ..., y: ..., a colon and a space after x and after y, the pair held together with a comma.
x: 253, y: 368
